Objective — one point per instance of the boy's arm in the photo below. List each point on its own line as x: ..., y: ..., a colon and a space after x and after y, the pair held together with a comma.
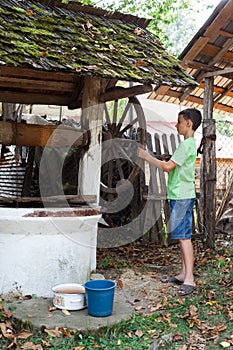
x: 165, y: 166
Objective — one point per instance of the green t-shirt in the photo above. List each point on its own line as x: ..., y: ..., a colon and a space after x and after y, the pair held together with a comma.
x: 181, y: 180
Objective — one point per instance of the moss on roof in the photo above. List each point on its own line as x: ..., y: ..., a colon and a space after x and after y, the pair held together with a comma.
x: 53, y: 38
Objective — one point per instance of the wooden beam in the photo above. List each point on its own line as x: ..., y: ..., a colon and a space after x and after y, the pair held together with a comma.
x: 208, y: 167
x: 196, y: 48
x: 225, y: 93
x: 220, y: 20
x: 186, y: 93
x: 193, y: 99
x: 73, y: 199
x: 225, y: 33
x: 198, y: 65
x: 92, y: 120
x: 218, y: 72
x: 117, y: 92
x: 12, y: 133
x: 227, y: 45
x: 27, y: 73
x: 33, y: 84
x: 162, y: 90
x: 34, y: 98
x: 212, y: 50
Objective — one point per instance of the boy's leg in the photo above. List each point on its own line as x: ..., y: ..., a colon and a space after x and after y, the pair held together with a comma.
x: 187, y: 261
x: 181, y: 275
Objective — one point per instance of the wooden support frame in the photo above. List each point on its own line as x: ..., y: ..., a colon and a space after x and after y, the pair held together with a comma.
x: 208, y: 167
x: 20, y: 134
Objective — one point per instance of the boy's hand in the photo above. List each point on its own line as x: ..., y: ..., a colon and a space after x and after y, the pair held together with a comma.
x: 142, y: 153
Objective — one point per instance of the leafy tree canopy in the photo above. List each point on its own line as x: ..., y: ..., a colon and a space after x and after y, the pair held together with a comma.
x: 172, y: 21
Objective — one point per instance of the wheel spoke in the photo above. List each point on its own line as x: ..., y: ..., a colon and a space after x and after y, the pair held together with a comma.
x: 127, y: 108
x: 120, y: 170
x: 108, y: 120
x: 127, y: 127
x: 115, y: 109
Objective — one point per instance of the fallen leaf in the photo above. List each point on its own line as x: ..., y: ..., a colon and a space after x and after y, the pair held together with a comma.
x: 213, y: 302
x: 24, y: 334
x: 52, y: 332
x: 66, y: 312
x: 141, y: 63
x: 29, y: 12
x: 176, y: 337
x: 138, y: 31
x: 64, y: 331
x: 46, y: 344
x: 139, y: 307
x: 139, y: 333
x: 29, y: 345
x: 52, y: 308
x: 221, y: 327
x: 89, y: 25
x: 7, y: 314
x: 225, y: 344
x: 92, y: 67
x: 12, y: 345
x: 120, y: 284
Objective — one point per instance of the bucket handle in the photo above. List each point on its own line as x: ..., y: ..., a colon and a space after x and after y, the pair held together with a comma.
x: 76, y: 300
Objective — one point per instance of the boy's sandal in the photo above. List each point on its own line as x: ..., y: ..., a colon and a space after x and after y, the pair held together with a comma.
x: 186, y: 289
x: 171, y: 280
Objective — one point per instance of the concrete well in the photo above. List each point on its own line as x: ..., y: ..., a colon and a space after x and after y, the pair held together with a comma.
x: 40, y: 248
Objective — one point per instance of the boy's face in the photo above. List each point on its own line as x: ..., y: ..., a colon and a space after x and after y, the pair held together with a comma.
x: 183, y: 125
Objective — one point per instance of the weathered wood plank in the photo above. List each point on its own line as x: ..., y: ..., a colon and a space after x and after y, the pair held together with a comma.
x: 37, y: 74
x: 16, y: 83
x: 40, y: 135
x: 34, y: 98
x: 75, y: 199
x: 117, y: 93
x: 208, y: 167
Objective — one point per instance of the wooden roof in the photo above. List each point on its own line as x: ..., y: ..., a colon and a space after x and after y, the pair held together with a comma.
x: 47, y: 48
x: 209, y: 53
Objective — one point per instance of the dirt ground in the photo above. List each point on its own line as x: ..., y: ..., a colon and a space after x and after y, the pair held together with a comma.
x: 138, y: 271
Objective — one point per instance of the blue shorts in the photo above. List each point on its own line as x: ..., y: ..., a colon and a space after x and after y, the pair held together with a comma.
x: 181, y: 218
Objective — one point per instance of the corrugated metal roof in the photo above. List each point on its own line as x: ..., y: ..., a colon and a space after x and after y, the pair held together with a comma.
x: 210, y: 50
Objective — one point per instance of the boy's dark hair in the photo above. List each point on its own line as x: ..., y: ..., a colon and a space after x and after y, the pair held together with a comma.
x: 194, y: 115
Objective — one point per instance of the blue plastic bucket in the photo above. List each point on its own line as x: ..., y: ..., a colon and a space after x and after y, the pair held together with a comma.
x: 100, y: 296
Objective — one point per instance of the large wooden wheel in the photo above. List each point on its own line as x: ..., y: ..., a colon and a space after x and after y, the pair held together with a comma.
x: 124, y: 130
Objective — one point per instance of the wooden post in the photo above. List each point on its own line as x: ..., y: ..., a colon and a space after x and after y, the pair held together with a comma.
x: 208, y: 167
x: 92, y: 121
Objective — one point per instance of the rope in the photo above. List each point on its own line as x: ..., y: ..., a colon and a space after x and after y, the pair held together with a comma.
x: 211, y: 137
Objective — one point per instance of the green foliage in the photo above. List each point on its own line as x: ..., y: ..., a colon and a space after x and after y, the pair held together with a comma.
x: 160, y: 12
x: 173, y: 22
x: 224, y: 128
x: 84, y: 2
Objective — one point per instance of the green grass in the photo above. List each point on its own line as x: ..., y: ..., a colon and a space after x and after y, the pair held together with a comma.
x: 200, y: 322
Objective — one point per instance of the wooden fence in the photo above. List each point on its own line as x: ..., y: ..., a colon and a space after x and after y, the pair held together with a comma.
x: 156, y: 221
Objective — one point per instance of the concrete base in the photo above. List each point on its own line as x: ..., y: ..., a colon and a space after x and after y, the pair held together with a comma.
x: 36, y: 312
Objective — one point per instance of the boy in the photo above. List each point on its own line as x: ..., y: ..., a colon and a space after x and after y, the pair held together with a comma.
x: 181, y: 193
